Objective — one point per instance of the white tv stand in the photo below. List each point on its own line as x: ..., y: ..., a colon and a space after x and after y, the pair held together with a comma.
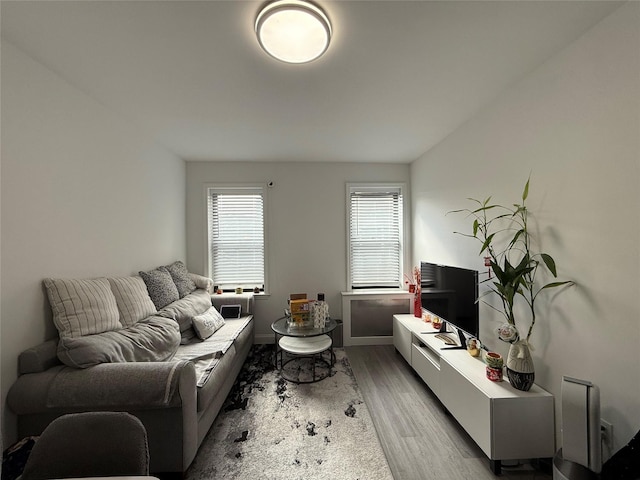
x: 507, y: 424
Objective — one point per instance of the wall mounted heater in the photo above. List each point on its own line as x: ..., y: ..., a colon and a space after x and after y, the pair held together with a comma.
x: 580, y: 457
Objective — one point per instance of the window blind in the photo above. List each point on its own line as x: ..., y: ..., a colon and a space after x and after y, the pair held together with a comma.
x: 236, y: 238
x: 375, y: 246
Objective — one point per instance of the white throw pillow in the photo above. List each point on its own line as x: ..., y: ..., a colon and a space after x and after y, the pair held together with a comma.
x: 82, y: 307
x: 207, y: 323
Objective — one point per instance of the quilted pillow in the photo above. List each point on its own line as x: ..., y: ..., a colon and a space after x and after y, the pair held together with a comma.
x: 206, y: 324
x: 181, y: 278
x: 160, y: 286
x: 132, y: 297
x: 82, y: 307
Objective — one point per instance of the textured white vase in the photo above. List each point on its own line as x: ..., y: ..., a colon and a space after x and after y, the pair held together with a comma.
x: 520, y: 368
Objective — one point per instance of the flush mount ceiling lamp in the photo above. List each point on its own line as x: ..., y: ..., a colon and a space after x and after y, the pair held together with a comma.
x: 293, y: 31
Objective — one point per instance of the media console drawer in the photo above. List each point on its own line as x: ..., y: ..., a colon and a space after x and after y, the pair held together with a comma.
x: 469, y: 405
x: 423, y: 362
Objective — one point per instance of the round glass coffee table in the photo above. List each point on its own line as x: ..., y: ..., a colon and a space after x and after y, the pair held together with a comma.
x: 305, y: 348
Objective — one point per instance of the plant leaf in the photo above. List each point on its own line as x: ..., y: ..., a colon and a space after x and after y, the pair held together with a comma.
x: 465, y: 234
x: 515, y: 238
x: 524, y: 263
x: 525, y: 193
x: 475, y: 227
x: 556, y: 284
x: 484, y: 208
x: 550, y: 263
x: 487, y: 242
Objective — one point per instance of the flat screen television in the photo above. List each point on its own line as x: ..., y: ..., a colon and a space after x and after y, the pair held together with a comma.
x: 451, y: 293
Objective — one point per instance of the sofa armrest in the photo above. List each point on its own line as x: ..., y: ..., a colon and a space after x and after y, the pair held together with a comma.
x: 114, y: 386
x: 39, y: 358
x: 202, y: 282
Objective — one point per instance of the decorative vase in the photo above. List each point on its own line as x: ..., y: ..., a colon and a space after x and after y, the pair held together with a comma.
x: 417, y: 305
x: 520, y: 368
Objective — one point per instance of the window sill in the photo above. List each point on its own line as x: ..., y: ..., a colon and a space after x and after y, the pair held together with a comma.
x: 376, y: 291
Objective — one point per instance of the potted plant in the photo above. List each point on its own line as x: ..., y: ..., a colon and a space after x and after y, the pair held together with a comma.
x: 506, y: 245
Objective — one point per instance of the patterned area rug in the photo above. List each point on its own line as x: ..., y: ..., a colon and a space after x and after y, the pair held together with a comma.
x: 270, y: 428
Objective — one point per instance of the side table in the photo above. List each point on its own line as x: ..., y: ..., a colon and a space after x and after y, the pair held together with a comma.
x: 304, y: 344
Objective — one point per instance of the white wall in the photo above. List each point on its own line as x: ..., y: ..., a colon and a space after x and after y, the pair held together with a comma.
x: 574, y: 123
x: 82, y: 196
x: 306, y: 222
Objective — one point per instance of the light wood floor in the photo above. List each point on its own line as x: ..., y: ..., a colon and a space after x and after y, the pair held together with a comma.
x: 420, y: 439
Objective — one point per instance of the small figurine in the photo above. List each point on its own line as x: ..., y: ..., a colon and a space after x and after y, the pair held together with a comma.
x: 473, y: 347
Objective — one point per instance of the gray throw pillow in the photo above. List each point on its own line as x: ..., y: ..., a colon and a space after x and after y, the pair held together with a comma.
x: 160, y: 286
x: 181, y: 278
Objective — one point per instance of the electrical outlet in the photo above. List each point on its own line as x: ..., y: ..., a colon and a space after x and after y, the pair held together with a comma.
x: 607, y: 434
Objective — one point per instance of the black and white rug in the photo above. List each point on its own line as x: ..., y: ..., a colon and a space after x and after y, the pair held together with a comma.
x: 270, y: 428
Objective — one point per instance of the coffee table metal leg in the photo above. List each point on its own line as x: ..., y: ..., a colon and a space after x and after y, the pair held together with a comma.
x: 313, y: 367
x: 275, y: 348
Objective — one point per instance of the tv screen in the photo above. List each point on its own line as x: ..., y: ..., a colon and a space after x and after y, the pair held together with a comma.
x: 452, y: 294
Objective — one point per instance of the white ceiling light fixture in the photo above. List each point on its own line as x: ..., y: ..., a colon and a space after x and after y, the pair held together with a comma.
x: 293, y: 31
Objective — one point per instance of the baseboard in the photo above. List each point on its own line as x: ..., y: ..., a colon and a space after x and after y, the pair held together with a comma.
x: 262, y: 338
x: 353, y: 341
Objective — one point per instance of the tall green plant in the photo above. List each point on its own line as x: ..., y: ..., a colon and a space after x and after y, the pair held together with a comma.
x: 506, y: 241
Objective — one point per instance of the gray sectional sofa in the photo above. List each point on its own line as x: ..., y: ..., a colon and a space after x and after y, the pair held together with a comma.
x: 122, y: 347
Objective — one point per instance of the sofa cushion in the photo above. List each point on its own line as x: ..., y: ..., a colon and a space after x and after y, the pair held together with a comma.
x: 209, y: 389
x: 160, y: 286
x: 184, y: 309
x: 242, y: 333
x: 82, y: 307
x: 155, y: 339
x: 207, y: 323
x: 132, y: 297
x: 125, y: 386
x: 181, y: 278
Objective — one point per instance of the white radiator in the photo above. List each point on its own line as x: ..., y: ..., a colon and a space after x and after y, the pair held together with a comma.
x: 581, y: 436
x: 368, y: 316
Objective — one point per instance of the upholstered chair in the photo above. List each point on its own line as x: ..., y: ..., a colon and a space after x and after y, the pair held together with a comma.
x: 90, y: 444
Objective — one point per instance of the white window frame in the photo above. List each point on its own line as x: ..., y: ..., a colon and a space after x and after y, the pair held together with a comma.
x: 404, y: 218
x: 236, y: 188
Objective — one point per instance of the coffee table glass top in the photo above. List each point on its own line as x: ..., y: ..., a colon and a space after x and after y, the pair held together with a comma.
x: 282, y: 327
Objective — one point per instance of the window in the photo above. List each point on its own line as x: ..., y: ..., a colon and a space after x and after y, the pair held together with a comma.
x: 236, y: 233
x: 376, y: 231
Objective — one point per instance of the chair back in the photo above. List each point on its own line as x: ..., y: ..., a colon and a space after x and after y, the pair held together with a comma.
x: 90, y: 444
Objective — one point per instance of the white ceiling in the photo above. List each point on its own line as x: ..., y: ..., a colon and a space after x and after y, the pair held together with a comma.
x: 398, y: 77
